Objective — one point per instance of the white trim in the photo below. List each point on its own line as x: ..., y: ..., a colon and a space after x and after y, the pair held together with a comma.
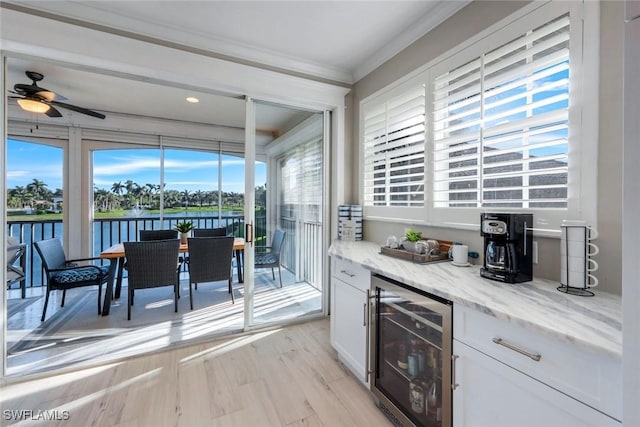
x: 630, y: 219
x: 3, y: 218
x: 326, y: 212
x: 249, y: 209
x: 75, y: 46
x: 72, y: 190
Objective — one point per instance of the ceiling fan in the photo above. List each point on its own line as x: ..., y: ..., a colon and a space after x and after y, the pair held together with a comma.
x: 36, y: 99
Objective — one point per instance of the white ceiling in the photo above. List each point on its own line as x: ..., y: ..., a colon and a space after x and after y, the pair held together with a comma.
x: 339, y: 41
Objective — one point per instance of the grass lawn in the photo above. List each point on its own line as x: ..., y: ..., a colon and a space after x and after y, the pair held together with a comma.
x: 122, y: 213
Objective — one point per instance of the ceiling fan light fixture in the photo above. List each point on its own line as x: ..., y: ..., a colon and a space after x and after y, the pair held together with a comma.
x: 33, y: 105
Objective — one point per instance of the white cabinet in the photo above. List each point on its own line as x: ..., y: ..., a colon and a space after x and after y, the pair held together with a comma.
x: 505, y: 383
x: 491, y: 393
x: 350, y: 286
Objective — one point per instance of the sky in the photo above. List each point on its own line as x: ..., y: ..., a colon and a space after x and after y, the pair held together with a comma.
x: 184, y: 169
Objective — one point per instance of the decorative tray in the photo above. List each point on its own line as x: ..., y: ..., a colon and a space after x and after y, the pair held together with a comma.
x: 419, y: 258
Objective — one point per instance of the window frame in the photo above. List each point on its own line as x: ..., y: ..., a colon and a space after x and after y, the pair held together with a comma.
x: 583, y: 119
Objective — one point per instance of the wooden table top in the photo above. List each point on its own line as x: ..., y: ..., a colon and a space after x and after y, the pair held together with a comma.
x: 117, y: 250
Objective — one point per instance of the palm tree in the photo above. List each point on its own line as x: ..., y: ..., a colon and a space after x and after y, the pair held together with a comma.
x: 101, y: 200
x: 117, y: 187
x: 171, y: 198
x: 185, y: 197
x: 199, y: 195
x: 21, y: 193
x: 130, y: 186
x: 152, y: 190
x: 37, y: 188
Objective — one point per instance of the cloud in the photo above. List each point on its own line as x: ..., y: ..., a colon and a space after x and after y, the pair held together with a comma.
x: 126, y: 166
x: 18, y: 174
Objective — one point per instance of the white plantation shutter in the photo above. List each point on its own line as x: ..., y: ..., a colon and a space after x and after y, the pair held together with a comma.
x: 394, y: 141
x: 501, y: 125
x: 302, y: 181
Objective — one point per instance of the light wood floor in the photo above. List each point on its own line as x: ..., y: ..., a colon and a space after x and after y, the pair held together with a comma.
x: 283, y: 377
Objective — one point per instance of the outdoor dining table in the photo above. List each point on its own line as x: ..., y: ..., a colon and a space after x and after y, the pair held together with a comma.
x: 115, y: 254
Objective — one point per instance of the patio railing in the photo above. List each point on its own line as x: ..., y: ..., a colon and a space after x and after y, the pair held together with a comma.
x: 302, y: 249
x: 108, y: 232
x: 302, y: 246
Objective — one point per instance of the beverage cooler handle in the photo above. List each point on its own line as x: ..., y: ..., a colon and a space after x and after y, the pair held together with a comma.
x: 525, y: 238
x: 367, y: 316
x: 454, y: 384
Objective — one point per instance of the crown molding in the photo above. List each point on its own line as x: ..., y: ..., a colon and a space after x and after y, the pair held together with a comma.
x: 216, y: 47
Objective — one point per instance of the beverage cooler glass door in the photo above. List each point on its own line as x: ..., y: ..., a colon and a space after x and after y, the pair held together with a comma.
x: 411, y: 354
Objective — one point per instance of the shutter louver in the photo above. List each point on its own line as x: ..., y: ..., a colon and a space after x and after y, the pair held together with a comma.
x: 302, y: 182
x: 501, y: 125
x: 394, y: 141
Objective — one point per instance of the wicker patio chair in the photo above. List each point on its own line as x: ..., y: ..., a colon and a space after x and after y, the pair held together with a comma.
x: 206, y: 232
x: 152, y: 264
x: 269, y: 256
x: 149, y: 235
x: 63, y: 273
x: 210, y: 232
x: 210, y: 261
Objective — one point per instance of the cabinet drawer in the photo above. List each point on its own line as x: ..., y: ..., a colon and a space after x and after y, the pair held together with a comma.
x: 592, y: 378
x: 353, y: 274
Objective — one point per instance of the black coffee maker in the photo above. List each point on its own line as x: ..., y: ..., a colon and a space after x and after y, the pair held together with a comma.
x: 508, y: 247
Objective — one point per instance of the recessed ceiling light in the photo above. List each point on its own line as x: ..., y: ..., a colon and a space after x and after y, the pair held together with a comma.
x: 192, y: 99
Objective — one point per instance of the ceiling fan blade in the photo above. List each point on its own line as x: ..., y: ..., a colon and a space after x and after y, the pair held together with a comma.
x: 52, y: 112
x: 78, y: 109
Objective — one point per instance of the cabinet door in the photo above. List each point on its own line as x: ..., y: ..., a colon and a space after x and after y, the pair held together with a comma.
x: 349, y: 326
x: 490, y: 393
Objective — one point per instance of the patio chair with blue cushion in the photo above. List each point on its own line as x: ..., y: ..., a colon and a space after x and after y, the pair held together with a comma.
x: 269, y: 256
x: 16, y: 264
x: 63, y: 273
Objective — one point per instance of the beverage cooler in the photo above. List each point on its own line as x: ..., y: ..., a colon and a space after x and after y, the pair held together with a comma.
x: 411, y: 354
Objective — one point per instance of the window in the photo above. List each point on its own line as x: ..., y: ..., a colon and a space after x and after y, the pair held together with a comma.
x: 501, y: 123
x: 394, y: 135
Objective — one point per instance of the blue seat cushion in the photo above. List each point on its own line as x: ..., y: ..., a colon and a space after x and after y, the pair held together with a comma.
x: 81, y: 274
x: 261, y: 259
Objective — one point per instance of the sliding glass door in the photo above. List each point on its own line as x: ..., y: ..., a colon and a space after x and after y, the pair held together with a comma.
x: 284, y: 261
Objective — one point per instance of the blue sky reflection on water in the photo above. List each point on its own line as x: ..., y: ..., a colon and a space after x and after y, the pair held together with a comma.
x: 184, y: 169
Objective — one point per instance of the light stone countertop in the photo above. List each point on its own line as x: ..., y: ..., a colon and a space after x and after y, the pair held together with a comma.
x: 594, y: 323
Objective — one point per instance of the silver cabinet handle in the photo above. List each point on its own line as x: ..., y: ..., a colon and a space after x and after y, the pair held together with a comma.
x: 364, y: 314
x: 532, y: 356
x: 347, y: 273
x: 454, y: 384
